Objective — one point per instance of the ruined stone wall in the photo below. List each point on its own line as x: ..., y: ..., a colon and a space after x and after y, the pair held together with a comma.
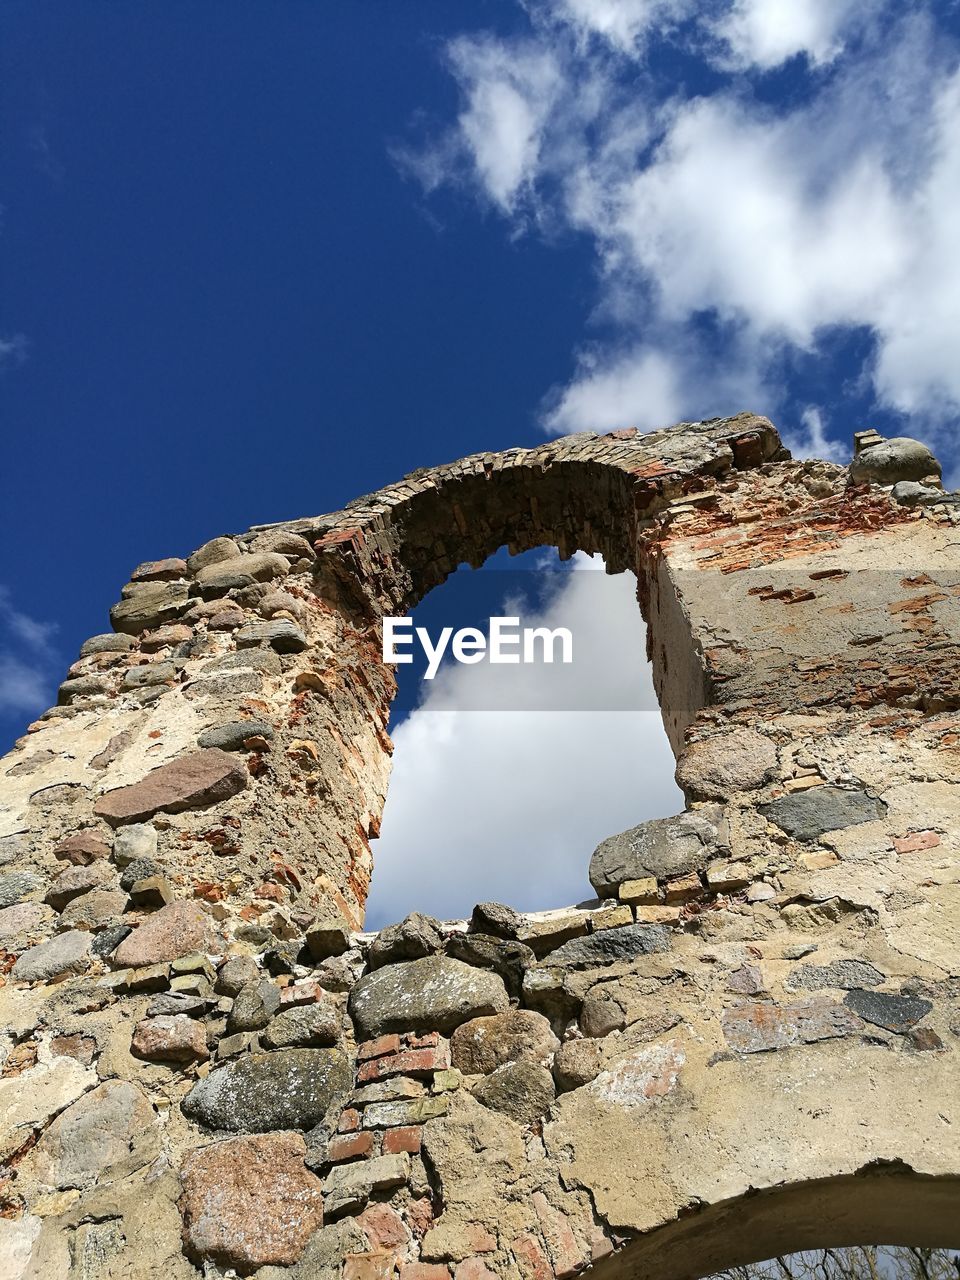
x: 748, y: 1042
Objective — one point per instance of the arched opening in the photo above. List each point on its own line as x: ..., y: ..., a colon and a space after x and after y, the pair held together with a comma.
x: 507, y: 775
x: 882, y: 1204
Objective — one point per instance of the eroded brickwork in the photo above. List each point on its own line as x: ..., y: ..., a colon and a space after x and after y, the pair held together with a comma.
x: 747, y: 1043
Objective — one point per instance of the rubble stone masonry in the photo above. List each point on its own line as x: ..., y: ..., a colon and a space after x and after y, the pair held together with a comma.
x: 747, y: 1044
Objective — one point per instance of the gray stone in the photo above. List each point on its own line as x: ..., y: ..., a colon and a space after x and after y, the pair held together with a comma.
x: 17, y: 885
x: 282, y: 635
x: 899, y: 458
x: 611, y: 946
x: 718, y: 766
x: 329, y: 932
x: 232, y: 736
x: 254, y: 1006
x: 107, y: 940
x: 212, y: 552
x: 108, y: 643
x: 845, y: 974
x: 235, y: 973
x: 65, y: 953
x: 664, y: 848
x: 139, y: 840
x: 432, y: 994
x: 20, y: 923
x: 264, y: 661
x: 93, y: 1134
x: 305, y: 1025
x: 510, y: 960
x: 415, y: 936
x: 892, y: 1012
x: 12, y: 849
x: 806, y: 815
x: 545, y: 990
x: 150, y: 673
x: 151, y: 605
x: 96, y: 910
x: 138, y: 869
x: 762, y: 1025
x: 910, y: 494
x: 481, y: 1045
x: 259, y: 566
x: 82, y: 687
x: 286, y: 1089
x: 496, y: 920
x: 523, y: 1090
x: 77, y: 880
x: 171, y: 1003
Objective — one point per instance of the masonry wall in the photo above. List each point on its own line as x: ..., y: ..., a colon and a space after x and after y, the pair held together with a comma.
x: 208, y: 1068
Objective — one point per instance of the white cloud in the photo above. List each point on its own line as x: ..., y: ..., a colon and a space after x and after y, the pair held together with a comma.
x: 13, y: 350
x: 27, y: 660
x: 517, y: 801
x: 784, y: 225
x: 765, y: 33
x: 23, y: 687
x: 810, y: 440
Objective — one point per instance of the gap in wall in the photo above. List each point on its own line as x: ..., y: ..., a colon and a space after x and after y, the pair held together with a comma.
x: 508, y: 804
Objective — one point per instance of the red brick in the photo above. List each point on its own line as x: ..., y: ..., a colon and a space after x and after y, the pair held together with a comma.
x: 383, y: 1227
x: 410, y: 1062
x: 376, y: 1048
x: 916, y: 841
x: 406, y: 1138
x: 349, y: 1120
x: 297, y: 993
x: 428, y: 1040
x: 368, y: 1266
x: 350, y: 1146
x: 479, y: 1238
x: 420, y: 1215
x: 425, y: 1271
x: 531, y: 1259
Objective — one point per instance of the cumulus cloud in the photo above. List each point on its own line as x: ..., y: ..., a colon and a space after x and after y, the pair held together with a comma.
x: 730, y: 231
x: 516, y: 801
x: 28, y: 660
x: 13, y: 351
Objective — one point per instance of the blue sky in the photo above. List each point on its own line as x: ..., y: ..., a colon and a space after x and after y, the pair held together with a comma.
x: 259, y: 257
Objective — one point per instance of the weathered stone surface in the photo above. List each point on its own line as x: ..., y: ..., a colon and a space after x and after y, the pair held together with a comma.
x: 189, y: 782
x: 306, y: 1025
x: 235, y: 973
x: 281, y: 635
x: 663, y: 848
x: 176, y: 930
x: 82, y: 848
x: 286, y: 1089
x: 392, y: 1114
x: 212, y: 552
x: 95, y: 1133
x: 806, y: 815
x: 30, y: 1100
x: 93, y: 911
x: 260, y: 566
x: 495, y: 919
x: 107, y: 643
x: 76, y: 880
x: 329, y: 932
x: 149, y: 606
x: 893, y: 1012
x: 250, y: 1202
x: 899, y: 458
x: 166, y: 570
x: 576, y: 1063
x: 254, y: 1006
x: 138, y: 869
x: 510, y: 960
x: 432, y: 994
x: 20, y: 923
x: 232, y: 736
x: 17, y: 885
x: 481, y: 1045
x: 107, y: 940
x: 150, y: 673
x: 64, y: 953
x: 414, y: 937
x: 523, y: 1090
x: 170, y: 1038
x: 611, y: 946
x: 845, y: 974
x: 753, y: 1028
x: 350, y: 1186
x: 133, y: 842
x: 718, y: 767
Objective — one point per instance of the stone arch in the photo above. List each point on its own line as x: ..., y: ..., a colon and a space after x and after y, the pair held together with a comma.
x: 758, y: 1015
